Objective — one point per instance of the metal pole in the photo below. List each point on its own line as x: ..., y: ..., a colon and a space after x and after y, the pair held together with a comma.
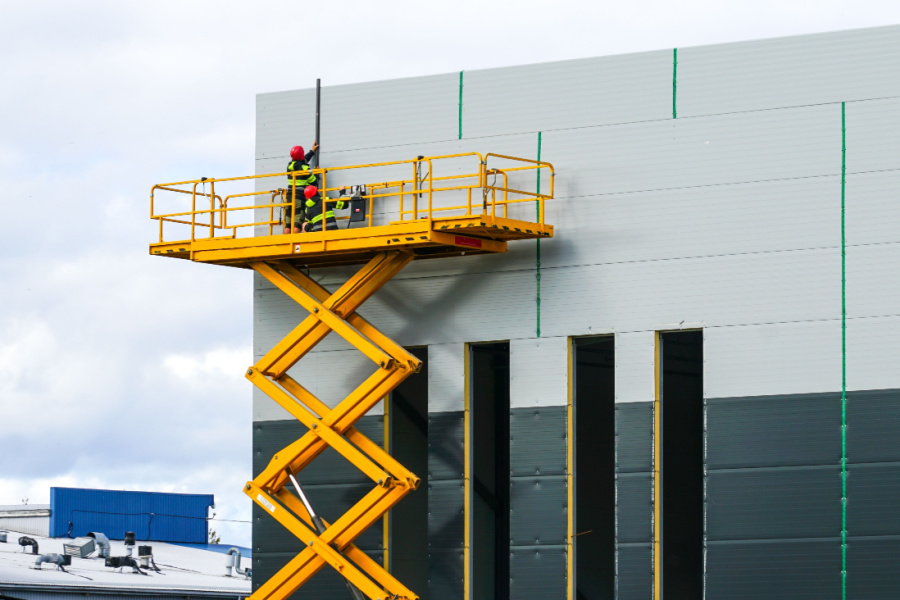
x: 320, y: 527
x: 318, y: 106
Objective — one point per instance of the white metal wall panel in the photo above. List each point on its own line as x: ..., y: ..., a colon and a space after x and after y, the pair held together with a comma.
x: 873, y: 280
x: 266, y: 409
x: 762, y: 216
x: 635, y: 364
x: 736, y: 148
x: 472, y: 308
x: 276, y: 315
x: 872, y: 201
x: 283, y: 120
x: 26, y: 525
x: 781, y: 358
x: 566, y: 94
x: 792, y: 71
x: 716, y: 221
x: 873, y: 135
x: 389, y: 113
x: 360, y: 115
x: 330, y: 376
x: 872, y: 353
x: 423, y: 311
x: 538, y: 372
x: 767, y: 287
x: 721, y: 290
x: 446, y: 378
x: 700, y: 219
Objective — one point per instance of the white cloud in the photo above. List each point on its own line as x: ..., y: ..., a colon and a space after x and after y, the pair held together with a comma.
x: 218, y: 364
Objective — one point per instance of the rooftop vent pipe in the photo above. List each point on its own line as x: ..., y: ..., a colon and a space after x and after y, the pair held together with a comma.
x: 26, y: 541
x: 145, y: 553
x: 59, y: 560
x: 129, y: 542
x: 233, y: 559
x: 102, y: 542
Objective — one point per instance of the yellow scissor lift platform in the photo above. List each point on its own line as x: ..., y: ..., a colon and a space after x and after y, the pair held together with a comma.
x: 459, y: 211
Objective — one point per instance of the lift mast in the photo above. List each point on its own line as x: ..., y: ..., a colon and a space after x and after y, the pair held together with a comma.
x: 427, y: 225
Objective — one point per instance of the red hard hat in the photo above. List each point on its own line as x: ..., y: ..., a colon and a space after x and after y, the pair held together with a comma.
x: 310, y: 191
x: 297, y: 153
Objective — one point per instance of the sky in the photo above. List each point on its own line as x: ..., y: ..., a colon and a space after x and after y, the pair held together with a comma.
x: 123, y: 371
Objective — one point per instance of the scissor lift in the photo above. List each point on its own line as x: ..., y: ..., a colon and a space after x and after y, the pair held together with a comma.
x: 437, y: 215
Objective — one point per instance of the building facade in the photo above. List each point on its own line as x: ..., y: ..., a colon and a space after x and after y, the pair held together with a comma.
x: 691, y: 389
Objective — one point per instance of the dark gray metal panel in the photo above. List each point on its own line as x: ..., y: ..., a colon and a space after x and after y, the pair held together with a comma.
x: 788, y: 430
x: 537, y: 444
x: 446, y: 452
x: 796, y: 502
x: 331, y: 482
x: 269, y: 437
x: 445, y: 574
x: 873, y: 420
x: 634, y: 507
x: 324, y: 584
x: 775, y: 570
x: 537, y: 513
x: 330, y: 501
x: 445, y: 514
x: 269, y: 536
x: 537, y: 573
x: 873, y: 499
x: 635, y: 572
x: 872, y: 572
x: 634, y: 437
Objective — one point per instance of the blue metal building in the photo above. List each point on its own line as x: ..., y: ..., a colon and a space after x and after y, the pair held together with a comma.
x: 153, y: 516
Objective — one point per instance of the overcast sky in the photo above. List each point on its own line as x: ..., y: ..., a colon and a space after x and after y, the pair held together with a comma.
x: 122, y: 371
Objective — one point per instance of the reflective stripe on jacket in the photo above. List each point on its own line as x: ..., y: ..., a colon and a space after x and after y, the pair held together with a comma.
x: 314, y: 208
x: 303, y: 177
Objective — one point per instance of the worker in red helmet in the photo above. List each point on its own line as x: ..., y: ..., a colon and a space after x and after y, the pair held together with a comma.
x: 313, y: 207
x: 299, y: 176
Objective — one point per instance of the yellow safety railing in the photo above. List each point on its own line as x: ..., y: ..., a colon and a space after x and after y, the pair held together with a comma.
x: 486, y: 186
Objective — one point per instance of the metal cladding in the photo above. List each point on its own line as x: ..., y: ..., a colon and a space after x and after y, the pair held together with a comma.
x: 150, y: 515
x: 746, y: 189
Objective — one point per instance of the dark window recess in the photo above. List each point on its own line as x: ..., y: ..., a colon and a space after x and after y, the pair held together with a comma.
x: 489, y: 406
x: 408, y: 524
x: 595, y: 465
x: 682, y: 464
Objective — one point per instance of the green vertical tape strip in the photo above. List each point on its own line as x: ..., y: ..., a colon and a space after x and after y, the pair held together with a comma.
x: 460, y: 102
x: 537, y: 209
x: 843, y: 352
x: 674, y: 82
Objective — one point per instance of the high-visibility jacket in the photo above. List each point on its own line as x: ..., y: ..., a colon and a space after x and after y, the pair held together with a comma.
x: 314, y: 208
x: 304, y: 177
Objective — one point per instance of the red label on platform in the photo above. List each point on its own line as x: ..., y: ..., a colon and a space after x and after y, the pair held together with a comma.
x: 464, y: 241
